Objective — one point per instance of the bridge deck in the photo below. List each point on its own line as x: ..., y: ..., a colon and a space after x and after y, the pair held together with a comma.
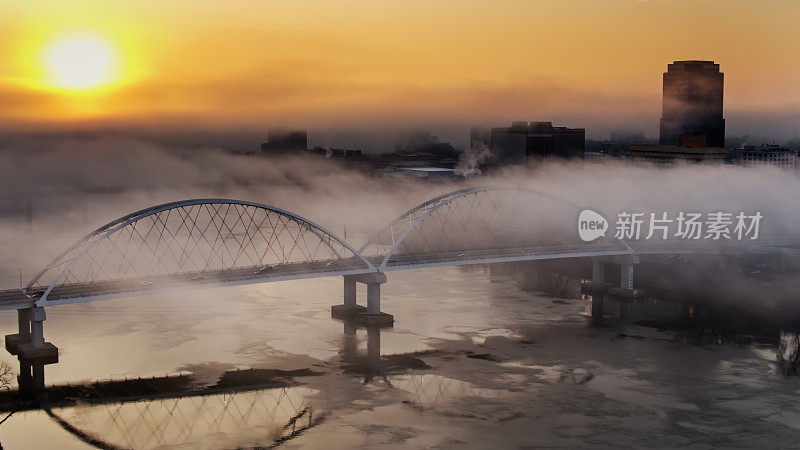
x: 82, y: 292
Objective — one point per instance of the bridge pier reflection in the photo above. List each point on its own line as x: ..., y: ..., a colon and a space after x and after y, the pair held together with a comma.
x: 367, y: 363
x: 30, y: 378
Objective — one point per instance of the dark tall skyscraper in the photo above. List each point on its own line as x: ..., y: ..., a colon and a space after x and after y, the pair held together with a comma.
x: 691, y: 112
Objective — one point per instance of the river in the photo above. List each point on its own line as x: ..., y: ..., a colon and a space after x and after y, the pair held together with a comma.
x: 472, y: 361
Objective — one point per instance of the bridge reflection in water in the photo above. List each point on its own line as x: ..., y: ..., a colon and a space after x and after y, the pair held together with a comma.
x: 238, y: 419
x: 254, y: 407
x: 242, y: 408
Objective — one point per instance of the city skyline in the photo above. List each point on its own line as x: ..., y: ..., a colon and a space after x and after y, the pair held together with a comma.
x: 449, y: 65
x: 399, y: 224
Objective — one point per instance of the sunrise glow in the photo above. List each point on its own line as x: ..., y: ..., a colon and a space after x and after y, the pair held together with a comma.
x: 79, y: 63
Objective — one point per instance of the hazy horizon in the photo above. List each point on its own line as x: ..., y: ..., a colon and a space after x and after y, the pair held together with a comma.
x: 348, y: 69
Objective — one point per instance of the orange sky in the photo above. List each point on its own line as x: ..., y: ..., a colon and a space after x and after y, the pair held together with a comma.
x: 593, y: 63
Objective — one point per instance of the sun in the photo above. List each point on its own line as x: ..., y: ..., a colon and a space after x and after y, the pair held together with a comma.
x: 79, y: 63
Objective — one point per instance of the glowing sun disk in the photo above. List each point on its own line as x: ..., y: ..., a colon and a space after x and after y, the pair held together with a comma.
x: 79, y: 63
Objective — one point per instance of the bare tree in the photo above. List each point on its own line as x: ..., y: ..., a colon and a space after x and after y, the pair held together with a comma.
x: 6, y: 375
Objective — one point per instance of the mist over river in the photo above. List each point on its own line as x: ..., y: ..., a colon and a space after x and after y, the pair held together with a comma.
x: 408, y: 224
x: 472, y: 361
x: 478, y: 357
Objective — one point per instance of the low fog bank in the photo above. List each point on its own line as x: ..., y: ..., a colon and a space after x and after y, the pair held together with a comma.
x: 79, y: 184
x: 614, y: 188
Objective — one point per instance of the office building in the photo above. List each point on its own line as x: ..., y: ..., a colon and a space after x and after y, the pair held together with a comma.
x: 285, y: 141
x: 672, y: 155
x: 765, y: 156
x: 529, y: 144
x: 692, y: 105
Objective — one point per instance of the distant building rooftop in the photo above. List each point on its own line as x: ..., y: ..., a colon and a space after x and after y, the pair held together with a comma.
x: 765, y: 156
x: 428, y: 173
x: 428, y: 169
x: 665, y: 155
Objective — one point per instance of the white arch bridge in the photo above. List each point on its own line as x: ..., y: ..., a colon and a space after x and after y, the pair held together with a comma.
x: 213, y: 242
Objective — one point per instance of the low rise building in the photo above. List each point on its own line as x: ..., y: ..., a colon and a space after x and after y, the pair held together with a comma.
x: 528, y: 144
x: 670, y: 155
x: 430, y: 174
x: 285, y: 141
x: 765, y: 156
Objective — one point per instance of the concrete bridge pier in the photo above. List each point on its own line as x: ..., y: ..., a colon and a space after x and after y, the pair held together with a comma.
x: 626, y: 293
x: 598, y: 289
x: 598, y: 271
x: 373, y: 298
x: 626, y: 276
x: 23, y: 336
x: 349, y: 306
x: 601, y: 291
x: 350, y: 309
x: 349, y: 292
x: 31, y: 349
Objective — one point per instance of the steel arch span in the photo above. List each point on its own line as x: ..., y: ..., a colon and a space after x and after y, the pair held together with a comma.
x: 193, y: 242
x: 481, y: 223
